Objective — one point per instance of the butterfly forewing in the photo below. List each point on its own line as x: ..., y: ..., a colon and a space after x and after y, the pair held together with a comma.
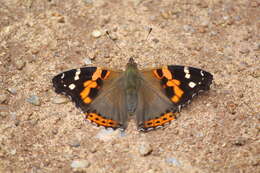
x: 181, y: 83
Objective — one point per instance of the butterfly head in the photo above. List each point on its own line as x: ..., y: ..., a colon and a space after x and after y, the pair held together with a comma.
x: 131, y: 63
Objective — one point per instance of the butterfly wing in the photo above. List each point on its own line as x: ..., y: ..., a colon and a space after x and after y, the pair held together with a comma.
x: 165, y: 90
x: 154, y: 108
x: 91, y: 89
x: 182, y: 83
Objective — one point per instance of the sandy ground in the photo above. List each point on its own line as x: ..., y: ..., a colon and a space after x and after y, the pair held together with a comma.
x: 43, y: 132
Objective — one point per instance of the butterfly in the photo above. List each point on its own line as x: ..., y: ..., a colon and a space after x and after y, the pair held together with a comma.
x: 107, y: 97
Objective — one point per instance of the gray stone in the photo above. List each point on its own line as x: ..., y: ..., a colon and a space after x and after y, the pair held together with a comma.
x: 35, y: 100
x: 12, y: 90
x: 80, y: 164
x: 60, y: 100
x: 74, y: 143
x: 87, y: 61
x: 172, y: 161
x: 145, y: 149
x: 88, y: 1
x: 3, y: 98
x: 109, y: 134
x: 188, y: 28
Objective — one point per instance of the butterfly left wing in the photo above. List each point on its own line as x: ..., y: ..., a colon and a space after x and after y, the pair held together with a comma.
x: 90, y: 89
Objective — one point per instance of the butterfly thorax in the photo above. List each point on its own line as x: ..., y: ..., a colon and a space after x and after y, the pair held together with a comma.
x: 132, y: 83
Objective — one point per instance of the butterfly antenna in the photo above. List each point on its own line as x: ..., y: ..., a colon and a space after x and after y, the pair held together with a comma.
x: 109, y: 36
x: 149, y: 32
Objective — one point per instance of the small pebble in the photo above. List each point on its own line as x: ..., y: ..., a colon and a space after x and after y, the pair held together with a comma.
x: 92, y: 55
x: 256, y: 46
x: 188, y: 28
x: 205, y: 23
x: 35, y: 100
x: 13, y: 152
x: 165, y: 14
x: 4, y: 114
x: 20, y: 63
x: 237, y: 18
x: 80, y: 164
x: 155, y: 40
x: 74, y: 143
x: 239, y: 142
x: 213, y: 33
x: 3, y: 98
x: 96, y: 33
x: 108, y: 134
x: 12, y: 90
x: 145, y: 149
x: 34, y: 122
x: 87, y: 61
x: 13, y: 116
x: 88, y: 1
x: 244, y: 51
x: 61, y: 20
x: 151, y: 171
x: 60, y: 100
x: 172, y: 161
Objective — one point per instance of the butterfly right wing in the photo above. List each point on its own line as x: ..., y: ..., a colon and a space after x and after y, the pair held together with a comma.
x: 154, y: 108
x: 165, y: 90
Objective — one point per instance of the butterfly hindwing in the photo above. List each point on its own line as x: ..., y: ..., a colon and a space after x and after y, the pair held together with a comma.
x: 154, y: 108
x: 111, y: 105
x: 84, y: 86
x: 181, y: 83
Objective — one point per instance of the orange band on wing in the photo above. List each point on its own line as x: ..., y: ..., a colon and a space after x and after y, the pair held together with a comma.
x: 106, y: 76
x: 177, y: 91
x: 84, y: 94
x: 97, y: 74
x: 99, y: 120
x: 166, y: 73
x: 156, y: 75
x: 87, y: 100
x: 159, y: 121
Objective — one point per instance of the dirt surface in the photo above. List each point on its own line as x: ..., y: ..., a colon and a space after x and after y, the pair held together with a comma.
x: 43, y: 132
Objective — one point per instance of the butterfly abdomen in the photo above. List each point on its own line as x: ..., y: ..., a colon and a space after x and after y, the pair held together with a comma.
x: 132, y: 84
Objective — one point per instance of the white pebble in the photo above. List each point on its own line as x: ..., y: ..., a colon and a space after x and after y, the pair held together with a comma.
x: 96, y: 33
x: 80, y: 164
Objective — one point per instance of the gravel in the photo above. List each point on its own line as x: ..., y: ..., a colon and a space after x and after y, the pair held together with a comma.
x: 34, y: 100
x: 80, y: 164
x: 144, y: 149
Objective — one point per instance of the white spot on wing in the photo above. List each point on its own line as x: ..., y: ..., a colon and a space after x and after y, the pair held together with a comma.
x: 72, y: 86
x: 186, y: 70
x: 201, y: 72
x: 77, y: 74
x: 192, y: 84
x: 62, y: 76
x: 187, y: 75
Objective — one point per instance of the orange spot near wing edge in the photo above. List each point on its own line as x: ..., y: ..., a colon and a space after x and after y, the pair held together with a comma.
x: 167, y: 73
x: 99, y: 120
x: 160, y: 121
x: 97, y: 74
